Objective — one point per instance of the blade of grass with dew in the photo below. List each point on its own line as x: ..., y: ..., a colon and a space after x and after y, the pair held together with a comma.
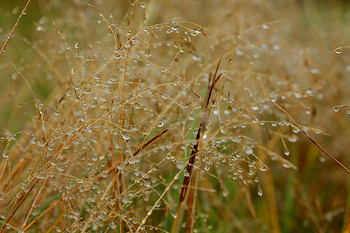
x: 149, y: 142
x: 61, y: 192
x: 195, y: 150
x: 14, y: 27
x: 188, y: 150
x: 313, y: 141
x: 155, y: 129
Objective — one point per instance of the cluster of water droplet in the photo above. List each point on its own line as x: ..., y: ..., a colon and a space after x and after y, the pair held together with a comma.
x: 89, y: 142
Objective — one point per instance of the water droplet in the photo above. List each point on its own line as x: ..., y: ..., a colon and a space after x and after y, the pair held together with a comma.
x: 276, y: 47
x: 94, y: 157
x: 39, y: 28
x: 143, y: 5
x: 41, y: 177
x: 336, y: 108
x: 255, y: 107
x: 147, y: 184
x: 296, y: 129
x: 174, y: 25
x: 196, y: 58
x: 265, y: 26
x: 263, y: 167
x: 239, y: 52
x: 260, y: 192
x: 53, y: 162
x: 19, y: 195
x: 248, y: 150
x: 194, y: 33
x: 286, y: 152
x: 5, y: 154
x: 292, y: 138
x: 314, y: 71
x: 174, y: 214
x: 338, y: 50
x: 60, y: 168
x: 186, y: 173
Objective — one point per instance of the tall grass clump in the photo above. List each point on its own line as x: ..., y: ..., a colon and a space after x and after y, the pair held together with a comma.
x: 165, y: 117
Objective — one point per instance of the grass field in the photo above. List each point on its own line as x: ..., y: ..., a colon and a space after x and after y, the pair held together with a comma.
x: 174, y: 116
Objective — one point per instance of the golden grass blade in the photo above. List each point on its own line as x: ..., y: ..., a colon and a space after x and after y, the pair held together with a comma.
x: 14, y: 28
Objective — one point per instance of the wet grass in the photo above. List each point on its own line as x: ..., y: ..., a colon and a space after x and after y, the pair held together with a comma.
x: 165, y: 117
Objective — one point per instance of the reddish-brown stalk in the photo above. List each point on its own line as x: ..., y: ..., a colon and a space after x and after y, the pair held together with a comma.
x: 19, y: 205
x: 313, y: 141
x: 195, y: 150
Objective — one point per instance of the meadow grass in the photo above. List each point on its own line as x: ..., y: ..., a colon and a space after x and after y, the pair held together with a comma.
x: 168, y: 116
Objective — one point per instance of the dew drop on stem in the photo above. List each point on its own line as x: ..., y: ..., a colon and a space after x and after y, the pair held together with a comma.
x: 296, y: 129
x: 338, y: 50
x: 143, y: 5
x: 260, y: 192
x: 286, y: 152
x: 174, y: 214
x: 174, y: 25
x: 263, y: 167
x: 186, y: 173
x: 5, y: 154
x: 292, y: 138
x: 336, y: 108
